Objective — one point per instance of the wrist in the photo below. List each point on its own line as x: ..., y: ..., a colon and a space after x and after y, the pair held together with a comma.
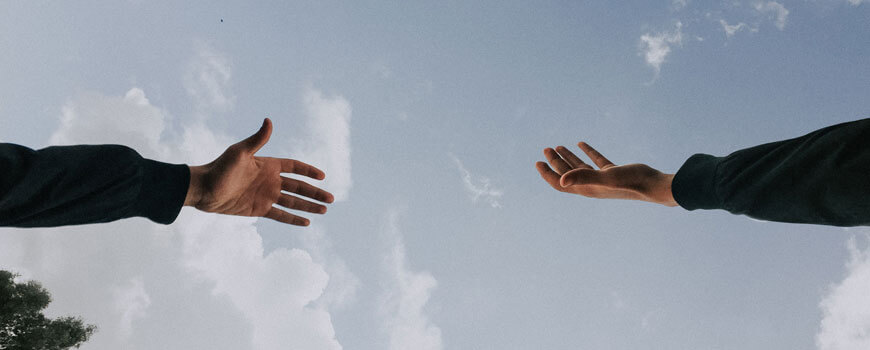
x: 666, y: 196
x: 194, y: 189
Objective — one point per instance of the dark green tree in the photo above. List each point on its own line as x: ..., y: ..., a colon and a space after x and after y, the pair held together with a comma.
x: 22, y: 324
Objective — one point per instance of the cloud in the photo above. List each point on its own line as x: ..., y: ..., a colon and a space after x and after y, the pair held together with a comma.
x: 78, y: 123
x: 478, y: 187
x: 132, y: 301
x: 856, y: 2
x: 207, y: 81
x: 343, y: 284
x: 774, y: 9
x: 679, y: 4
x: 406, y: 294
x: 845, y: 323
x: 656, y: 47
x: 730, y: 30
x: 326, y: 143
x: 204, y: 282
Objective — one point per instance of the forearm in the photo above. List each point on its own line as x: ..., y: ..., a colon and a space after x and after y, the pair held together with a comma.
x: 68, y: 185
x: 820, y: 178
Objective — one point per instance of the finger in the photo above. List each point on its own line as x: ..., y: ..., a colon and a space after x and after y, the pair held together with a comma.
x: 571, y: 158
x: 556, y: 161
x: 293, y: 202
x: 256, y: 141
x: 285, y: 217
x: 297, y: 167
x: 596, y: 157
x: 305, y: 189
x: 549, y: 175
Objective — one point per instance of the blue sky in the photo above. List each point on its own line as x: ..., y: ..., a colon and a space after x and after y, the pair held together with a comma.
x: 428, y: 118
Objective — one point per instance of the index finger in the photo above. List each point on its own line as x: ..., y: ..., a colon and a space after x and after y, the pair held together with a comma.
x: 550, y: 176
x: 297, y: 167
x: 596, y: 157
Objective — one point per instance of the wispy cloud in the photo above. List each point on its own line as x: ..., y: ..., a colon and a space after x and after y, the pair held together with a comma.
x: 656, y: 47
x: 478, y: 187
x: 730, y: 30
x: 845, y: 308
x: 777, y: 11
x: 207, y: 81
x: 856, y: 2
x: 326, y: 142
x: 405, y: 296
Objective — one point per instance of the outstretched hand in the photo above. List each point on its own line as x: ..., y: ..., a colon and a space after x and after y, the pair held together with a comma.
x: 632, y: 181
x: 239, y: 183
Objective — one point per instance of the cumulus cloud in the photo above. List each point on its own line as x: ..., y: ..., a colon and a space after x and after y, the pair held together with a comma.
x: 775, y: 10
x: 343, y: 284
x: 656, y: 47
x: 730, y: 30
x: 204, y: 282
x: 326, y: 143
x: 406, y: 294
x: 207, y: 81
x: 78, y: 124
x: 478, y: 187
x: 845, y: 309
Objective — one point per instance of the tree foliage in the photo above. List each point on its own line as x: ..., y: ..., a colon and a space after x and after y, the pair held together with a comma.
x: 22, y: 324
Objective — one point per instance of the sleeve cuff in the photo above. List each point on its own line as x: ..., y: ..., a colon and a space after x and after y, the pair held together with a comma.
x: 693, y: 186
x: 164, y: 188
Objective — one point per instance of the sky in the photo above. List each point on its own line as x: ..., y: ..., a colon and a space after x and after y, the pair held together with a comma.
x: 428, y: 118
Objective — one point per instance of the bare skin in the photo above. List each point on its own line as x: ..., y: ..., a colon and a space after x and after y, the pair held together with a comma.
x: 632, y: 181
x: 240, y: 183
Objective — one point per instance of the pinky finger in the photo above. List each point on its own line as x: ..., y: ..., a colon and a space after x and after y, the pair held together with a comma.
x: 285, y: 217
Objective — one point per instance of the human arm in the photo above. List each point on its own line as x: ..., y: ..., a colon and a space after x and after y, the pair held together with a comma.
x: 820, y: 178
x: 82, y: 184
x: 632, y: 181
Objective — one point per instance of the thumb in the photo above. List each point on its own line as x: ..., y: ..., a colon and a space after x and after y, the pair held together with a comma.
x: 581, y: 177
x: 256, y: 141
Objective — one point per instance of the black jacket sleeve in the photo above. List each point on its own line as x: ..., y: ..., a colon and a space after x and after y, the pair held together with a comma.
x: 69, y: 185
x: 819, y: 178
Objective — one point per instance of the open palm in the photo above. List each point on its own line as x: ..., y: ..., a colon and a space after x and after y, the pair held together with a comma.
x: 632, y: 181
x: 239, y: 183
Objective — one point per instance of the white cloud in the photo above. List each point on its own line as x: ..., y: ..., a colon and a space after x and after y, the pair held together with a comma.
x: 132, y: 301
x: 656, y: 47
x: 201, y: 283
x: 856, y: 2
x: 730, y: 30
x: 326, y: 143
x: 207, y: 81
x: 845, y: 323
x: 406, y: 294
x: 478, y: 187
x: 679, y: 4
x: 78, y: 123
x: 343, y: 284
x: 778, y: 12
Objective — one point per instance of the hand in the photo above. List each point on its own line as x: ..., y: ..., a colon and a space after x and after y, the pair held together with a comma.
x: 632, y: 181
x: 239, y: 183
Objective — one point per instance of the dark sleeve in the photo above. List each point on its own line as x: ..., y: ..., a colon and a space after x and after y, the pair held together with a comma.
x: 819, y: 178
x: 83, y: 184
